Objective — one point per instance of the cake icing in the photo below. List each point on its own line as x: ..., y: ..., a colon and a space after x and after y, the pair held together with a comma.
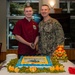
x: 37, y: 61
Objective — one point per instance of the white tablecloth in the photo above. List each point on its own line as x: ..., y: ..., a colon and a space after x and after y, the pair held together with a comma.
x: 4, y: 71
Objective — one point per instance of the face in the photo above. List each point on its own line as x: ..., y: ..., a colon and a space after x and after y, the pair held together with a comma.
x: 45, y: 11
x: 28, y: 12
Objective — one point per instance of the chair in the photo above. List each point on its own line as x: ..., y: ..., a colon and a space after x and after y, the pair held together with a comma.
x: 0, y: 47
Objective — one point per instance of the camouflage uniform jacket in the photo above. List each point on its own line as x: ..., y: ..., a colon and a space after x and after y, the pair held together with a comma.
x: 51, y: 35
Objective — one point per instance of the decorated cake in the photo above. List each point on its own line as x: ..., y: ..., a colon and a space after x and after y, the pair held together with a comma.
x: 37, y: 61
x: 37, y: 64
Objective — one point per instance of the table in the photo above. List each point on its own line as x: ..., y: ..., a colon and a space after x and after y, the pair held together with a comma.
x: 67, y: 64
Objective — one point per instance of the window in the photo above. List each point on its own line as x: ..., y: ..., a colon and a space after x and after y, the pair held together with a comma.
x: 72, y: 27
x: 63, y: 5
x: 69, y: 7
x: 72, y: 8
x: 14, y: 13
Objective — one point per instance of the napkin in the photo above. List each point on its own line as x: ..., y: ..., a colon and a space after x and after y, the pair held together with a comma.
x: 71, y: 70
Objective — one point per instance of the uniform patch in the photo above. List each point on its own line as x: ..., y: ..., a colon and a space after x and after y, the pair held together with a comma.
x: 34, y: 27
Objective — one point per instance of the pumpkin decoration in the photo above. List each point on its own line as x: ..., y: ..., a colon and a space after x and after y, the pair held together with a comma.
x: 57, y: 68
x: 60, y: 53
x: 16, y: 69
x: 61, y: 46
x: 52, y: 68
x: 61, y: 68
x: 33, y: 69
x: 11, y: 68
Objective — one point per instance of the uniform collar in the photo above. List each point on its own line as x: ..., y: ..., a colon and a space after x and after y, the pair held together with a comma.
x: 49, y: 20
x: 27, y: 20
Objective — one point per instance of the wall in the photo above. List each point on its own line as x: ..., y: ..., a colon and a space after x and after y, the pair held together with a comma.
x: 3, y: 24
x: 48, y: 3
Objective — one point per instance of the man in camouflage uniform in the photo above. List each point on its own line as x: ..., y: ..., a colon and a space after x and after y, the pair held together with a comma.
x: 51, y: 33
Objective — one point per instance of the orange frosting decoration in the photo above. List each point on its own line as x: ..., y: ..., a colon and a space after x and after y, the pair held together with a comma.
x: 60, y: 53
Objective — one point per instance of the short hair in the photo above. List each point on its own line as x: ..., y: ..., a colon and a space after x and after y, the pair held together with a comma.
x: 26, y: 6
x: 46, y: 5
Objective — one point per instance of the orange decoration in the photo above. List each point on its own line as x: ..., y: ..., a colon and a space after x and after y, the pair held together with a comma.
x: 57, y: 68
x: 11, y: 68
x: 61, y: 68
x: 16, y: 69
x: 60, y: 53
x: 52, y: 68
x: 60, y: 48
x: 33, y: 69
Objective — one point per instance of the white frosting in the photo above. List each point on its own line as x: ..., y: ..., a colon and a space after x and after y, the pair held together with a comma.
x: 10, y: 56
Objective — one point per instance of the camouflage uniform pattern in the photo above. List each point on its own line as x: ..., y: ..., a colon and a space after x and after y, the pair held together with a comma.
x: 51, y: 35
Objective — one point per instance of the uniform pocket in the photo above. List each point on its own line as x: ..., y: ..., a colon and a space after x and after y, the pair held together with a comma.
x: 48, y: 28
